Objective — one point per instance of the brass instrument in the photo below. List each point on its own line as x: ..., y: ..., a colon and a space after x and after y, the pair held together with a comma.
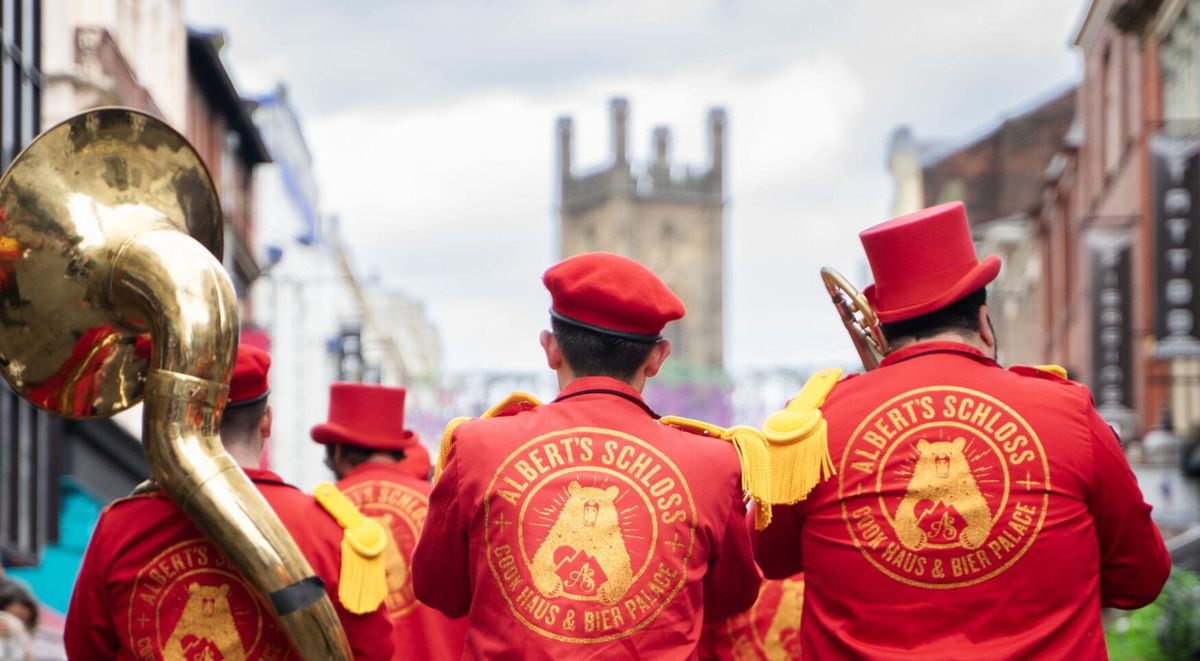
x: 858, y: 318
x: 111, y: 292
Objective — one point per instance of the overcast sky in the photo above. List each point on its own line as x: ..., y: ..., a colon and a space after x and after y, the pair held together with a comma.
x: 432, y: 128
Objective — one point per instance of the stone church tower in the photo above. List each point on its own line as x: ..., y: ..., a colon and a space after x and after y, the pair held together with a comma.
x: 670, y: 221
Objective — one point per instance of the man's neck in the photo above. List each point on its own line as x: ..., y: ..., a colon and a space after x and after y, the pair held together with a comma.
x: 245, y: 455
x: 973, y: 339
x: 566, y: 377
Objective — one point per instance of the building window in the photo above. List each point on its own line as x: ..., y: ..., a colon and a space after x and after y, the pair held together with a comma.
x: 1110, y: 111
x: 1180, y: 61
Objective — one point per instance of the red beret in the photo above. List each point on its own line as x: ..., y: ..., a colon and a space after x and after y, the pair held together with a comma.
x: 611, y: 294
x: 366, y: 416
x: 923, y: 262
x: 249, y: 383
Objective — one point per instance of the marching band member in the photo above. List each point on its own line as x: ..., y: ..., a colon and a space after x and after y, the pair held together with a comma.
x: 584, y: 527
x: 382, y: 468
x: 977, y: 512
x: 152, y: 586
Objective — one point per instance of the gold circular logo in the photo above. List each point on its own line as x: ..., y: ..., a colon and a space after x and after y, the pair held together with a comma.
x: 771, y: 628
x: 189, y: 603
x: 944, y: 487
x: 400, y: 510
x: 588, y: 532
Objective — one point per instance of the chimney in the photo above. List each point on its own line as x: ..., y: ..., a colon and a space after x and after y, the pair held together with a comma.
x: 620, y: 131
x: 716, y: 146
x: 660, y: 170
x: 565, y: 131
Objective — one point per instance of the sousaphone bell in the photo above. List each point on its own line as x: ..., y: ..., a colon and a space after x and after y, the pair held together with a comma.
x: 111, y: 293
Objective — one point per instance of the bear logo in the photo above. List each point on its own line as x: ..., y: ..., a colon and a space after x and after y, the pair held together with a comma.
x: 206, y: 629
x: 942, y: 476
x: 586, y: 537
x: 396, y: 566
x: 783, y: 636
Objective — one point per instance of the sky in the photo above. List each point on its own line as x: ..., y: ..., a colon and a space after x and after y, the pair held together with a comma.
x: 432, y: 130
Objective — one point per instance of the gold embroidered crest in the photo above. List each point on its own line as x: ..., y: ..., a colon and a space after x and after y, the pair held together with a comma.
x: 943, y: 487
x: 588, y: 533
x: 190, y: 603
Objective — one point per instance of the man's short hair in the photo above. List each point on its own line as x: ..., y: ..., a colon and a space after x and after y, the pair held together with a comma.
x: 355, y: 455
x: 961, y: 316
x: 240, y: 421
x: 592, y: 353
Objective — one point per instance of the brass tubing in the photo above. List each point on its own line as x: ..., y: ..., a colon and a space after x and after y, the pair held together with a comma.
x: 179, y: 290
x: 858, y: 318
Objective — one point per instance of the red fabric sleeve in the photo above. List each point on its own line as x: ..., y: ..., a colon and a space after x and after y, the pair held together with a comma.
x: 777, y: 549
x: 89, y: 632
x: 320, y: 538
x: 731, y: 583
x: 441, y: 559
x: 370, y: 634
x: 1134, y: 563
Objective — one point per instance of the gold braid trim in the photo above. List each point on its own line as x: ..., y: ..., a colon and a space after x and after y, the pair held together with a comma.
x: 514, y: 403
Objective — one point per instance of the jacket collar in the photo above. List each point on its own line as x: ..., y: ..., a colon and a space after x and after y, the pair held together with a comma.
x: 925, y: 348
x: 390, y: 468
x: 262, y: 476
x: 605, y: 386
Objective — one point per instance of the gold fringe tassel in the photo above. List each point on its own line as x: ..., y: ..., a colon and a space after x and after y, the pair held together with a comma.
x: 362, y: 584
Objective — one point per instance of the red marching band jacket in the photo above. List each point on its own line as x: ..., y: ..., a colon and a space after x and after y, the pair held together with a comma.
x: 584, y: 528
x: 769, y: 631
x: 388, y: 493
x: 977, y: 513
x: 153, y: 587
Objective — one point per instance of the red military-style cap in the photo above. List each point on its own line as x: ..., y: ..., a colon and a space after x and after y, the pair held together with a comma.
x: 923, y: 262
x: 366, y: 416
x: 249, y: 382
x: 611, y: 294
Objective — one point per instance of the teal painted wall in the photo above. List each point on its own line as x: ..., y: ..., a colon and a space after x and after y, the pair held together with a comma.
x: 53, y: 580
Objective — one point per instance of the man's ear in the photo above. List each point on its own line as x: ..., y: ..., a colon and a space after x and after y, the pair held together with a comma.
x: 549, y: 343
x: 986, y: 333
x: 264, y: 425
x: 658, y: 355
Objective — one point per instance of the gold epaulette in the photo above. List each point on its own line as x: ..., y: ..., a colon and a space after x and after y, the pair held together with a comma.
x: 752, y: 453
x: 362, y: 584
x: 1041, y: 371
x: 790, y: 455
x: 1057, y: 370
x: 511, y: 405
x: 798, y: 444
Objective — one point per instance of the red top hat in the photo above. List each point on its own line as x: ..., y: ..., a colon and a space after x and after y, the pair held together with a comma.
x: 923, y: 262
x: 249, y: 382
x: 611, y: 294
x: 366, y: 416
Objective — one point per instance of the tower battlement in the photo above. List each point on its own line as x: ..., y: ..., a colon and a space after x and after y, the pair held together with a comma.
x: 668, y: 217
x: 659, y: 179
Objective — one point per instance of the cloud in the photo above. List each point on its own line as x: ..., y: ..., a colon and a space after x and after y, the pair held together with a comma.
x: 455, y: 203
x: 432, y: 129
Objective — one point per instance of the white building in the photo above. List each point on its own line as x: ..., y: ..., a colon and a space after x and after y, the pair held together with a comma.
x: 103, y: 53
x: 324, y: 324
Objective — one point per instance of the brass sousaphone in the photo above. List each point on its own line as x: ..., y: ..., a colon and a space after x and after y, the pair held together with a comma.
x: 111, y: 293
x: 858, y: 318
